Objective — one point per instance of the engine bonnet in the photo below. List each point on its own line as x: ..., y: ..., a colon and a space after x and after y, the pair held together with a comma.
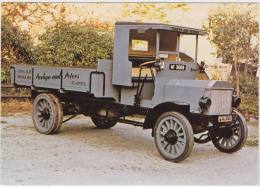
x: 190, y: 91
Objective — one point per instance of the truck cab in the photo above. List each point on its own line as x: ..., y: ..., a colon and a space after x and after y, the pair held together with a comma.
x: 147, y: 56
x: 137, y: 43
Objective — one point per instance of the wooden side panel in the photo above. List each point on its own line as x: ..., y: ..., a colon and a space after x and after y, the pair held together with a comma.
x: 47, y: 77
x: 21, y: 75
x: 74, y: 79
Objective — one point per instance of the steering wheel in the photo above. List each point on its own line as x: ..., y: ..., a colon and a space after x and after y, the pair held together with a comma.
x: 148, y: 63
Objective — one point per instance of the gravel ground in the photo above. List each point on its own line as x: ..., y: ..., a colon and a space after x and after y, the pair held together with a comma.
x: 82, y: 154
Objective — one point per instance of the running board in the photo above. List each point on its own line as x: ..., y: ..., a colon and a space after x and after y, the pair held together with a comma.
x: 130, y: 122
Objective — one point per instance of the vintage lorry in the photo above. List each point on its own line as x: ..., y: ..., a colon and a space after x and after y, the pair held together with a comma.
x: 148, y: 76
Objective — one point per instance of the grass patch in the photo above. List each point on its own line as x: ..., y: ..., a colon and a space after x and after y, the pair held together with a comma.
x: 14, y: 106
x: 252, y: 123
x: 252, y: 143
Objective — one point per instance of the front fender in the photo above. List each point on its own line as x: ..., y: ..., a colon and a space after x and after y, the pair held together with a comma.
x: 162, y: 108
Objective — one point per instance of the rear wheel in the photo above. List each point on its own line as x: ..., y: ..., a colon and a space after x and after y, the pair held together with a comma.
x: 47, y: 113
x: 173, y: 136
x: 232, y: 139
x: 60, y: 113
x: 103, y: 122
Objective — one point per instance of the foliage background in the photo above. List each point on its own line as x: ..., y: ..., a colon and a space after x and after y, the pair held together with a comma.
x: 16, y: 47
x: 74, y: 45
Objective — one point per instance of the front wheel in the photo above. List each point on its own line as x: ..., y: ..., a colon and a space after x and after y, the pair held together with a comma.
x: 173, y: 136
x: 232, y: 139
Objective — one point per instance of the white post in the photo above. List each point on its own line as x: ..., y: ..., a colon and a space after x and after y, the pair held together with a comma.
x: 178, y: 47
x: 196, y: 49
x: 157, y: 44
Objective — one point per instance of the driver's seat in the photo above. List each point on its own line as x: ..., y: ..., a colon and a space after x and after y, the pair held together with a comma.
x: 137, y: 60
x: 149, y: 72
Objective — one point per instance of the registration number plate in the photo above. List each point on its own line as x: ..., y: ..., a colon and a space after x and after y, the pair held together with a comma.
x: 179, y: 67
x: 222, y: 119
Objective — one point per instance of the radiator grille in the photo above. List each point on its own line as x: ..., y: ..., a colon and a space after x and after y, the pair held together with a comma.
x: 221, y: 102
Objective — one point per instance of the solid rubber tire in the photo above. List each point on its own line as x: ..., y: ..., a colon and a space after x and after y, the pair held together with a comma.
x: 57, y: 113
x: 188, y: 131
x: 244, y: 133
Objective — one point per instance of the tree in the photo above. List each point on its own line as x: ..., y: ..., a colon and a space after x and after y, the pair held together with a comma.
x: 230, y: 28
x: 73, y: 45
x: 32, y: 17
x: 142, y: 12
x: 16, y: 48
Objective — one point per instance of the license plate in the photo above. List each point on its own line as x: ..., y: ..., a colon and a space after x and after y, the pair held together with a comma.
x: 222, y: 119
x: 179, y: 67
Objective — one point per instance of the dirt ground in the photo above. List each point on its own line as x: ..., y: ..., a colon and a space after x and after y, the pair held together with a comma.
x: 82, y: 154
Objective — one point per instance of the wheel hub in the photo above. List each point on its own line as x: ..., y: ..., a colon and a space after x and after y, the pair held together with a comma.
x: 171, y: 137
x: 45, y: 114
x: 228, y: 133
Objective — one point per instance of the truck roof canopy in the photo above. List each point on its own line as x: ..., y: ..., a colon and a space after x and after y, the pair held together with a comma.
x: 136, y: 43
x: 160, y: 26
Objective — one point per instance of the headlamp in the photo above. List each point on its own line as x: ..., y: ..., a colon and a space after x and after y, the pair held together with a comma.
x: 236, y: 101
x: 204, y: 103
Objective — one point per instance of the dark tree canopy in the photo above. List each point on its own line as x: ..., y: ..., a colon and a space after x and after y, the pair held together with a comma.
x: 16, y: 48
